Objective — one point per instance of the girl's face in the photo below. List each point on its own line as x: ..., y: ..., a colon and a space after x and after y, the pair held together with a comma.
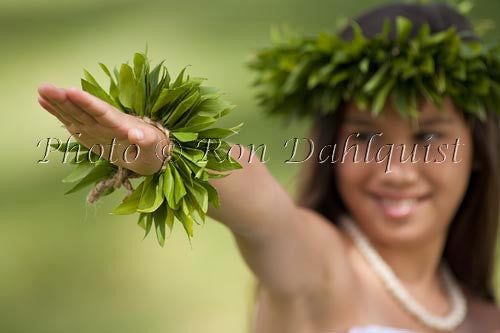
x: 410, y: 197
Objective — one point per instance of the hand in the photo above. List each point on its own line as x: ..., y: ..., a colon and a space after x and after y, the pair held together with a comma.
x: 99, y: 122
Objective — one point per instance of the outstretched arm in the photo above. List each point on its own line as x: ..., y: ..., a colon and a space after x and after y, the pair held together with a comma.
x: 280, y: 241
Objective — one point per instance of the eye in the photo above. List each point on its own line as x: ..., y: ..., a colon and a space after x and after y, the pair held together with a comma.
x: 427, y: 136
x: 365, y: 136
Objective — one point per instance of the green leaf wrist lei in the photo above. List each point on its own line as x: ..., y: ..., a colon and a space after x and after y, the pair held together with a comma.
x: 312, y: 76
x: 185, y: 110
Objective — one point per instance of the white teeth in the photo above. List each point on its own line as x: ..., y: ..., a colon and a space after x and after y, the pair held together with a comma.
x: 399, y: 203
x: 398, y: 208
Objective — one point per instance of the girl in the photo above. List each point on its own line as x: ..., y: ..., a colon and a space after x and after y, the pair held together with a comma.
x: 366, y: 247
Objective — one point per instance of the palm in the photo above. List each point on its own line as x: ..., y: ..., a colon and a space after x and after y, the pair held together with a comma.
x: 98, y: 123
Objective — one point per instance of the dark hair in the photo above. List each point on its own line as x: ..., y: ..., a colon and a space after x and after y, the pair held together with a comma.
x: 471, y: 242
x: 439, y: 17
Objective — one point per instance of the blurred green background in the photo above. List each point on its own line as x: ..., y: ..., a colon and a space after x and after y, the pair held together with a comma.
x: 69, y: 267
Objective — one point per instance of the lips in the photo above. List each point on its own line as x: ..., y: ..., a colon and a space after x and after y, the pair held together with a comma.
x: 399, y: 207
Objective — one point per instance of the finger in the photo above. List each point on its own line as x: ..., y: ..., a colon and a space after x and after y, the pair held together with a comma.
x: 104, y: 113
x: 84, y: 138
x: 46, y: 105
x: 60, y: 99
x: 77, y: 112
x: 51, y: 109
x: 53, y: 95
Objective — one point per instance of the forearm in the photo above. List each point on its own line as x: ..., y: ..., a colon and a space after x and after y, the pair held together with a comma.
x: 252, y: 202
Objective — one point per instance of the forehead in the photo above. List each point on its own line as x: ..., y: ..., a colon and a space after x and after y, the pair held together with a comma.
x: 429, y: 114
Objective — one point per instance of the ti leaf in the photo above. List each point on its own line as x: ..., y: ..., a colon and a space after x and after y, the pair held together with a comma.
x: 187, y: 109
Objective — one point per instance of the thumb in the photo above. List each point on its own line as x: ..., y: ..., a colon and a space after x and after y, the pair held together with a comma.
x: 145, y: 136
x: 136, y: 135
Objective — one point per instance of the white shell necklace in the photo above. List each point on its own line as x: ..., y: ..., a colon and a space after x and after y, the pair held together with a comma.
x: 441, y: 323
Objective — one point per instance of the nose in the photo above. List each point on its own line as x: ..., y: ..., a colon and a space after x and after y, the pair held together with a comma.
x: 400, y: 172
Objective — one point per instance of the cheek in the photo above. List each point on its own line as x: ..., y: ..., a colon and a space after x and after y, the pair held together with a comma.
x: 351, y: 179
x: 449, y: 179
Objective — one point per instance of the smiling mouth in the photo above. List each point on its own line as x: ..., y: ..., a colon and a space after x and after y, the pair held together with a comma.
x: 399, y: 208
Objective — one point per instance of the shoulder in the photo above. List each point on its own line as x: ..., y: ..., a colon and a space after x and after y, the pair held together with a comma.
x: 322, y: 229
x: 484, y: 316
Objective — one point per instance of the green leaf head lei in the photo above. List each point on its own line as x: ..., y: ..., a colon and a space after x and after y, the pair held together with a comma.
x: 301, y: 76
x: 187, y: 109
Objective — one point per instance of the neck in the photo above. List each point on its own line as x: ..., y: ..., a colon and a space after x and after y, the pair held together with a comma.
x: 414, y: 264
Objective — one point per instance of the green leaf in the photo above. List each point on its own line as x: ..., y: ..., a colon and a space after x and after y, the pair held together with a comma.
x: 440, y: 81
x: 168, y: 186
x: 340, y: 77
x: 154, y: 89
x: 376, y: 79
x: 213, y: 196
x: 219, y: 133
x: 185, y: 219
x: 204, y: 90
x: 217, y: 175
x: 185, y: 136
x: 428, y: 66
x: 403, y: 27
x: 196, y: 156
x: 201, y: 194
x: 382, y: 95
x: 139, y: 64
x: 179, y: 189
x: 212, y: 107
x: 152, y: 195
x: 160, y: 216
x: 129, y: 205
x: 113, y: 87
x: 91, y: 79
x: 226, y: 163
x: 101, y: 171
x: 293, y: 80
x: 169, y: 221
x: 386, y: 29
x: 82, y: 170
x: 182, y: 108
x: 72, y: 145
x: 169, y: 96
x: 320, y: 75
x: 197, y: 123
x: 98, y: 92
x: 140, y: 95
x: 364, y: 65
x: 400, y: 101
x: 142, y: 220
x: 184, y: 169
x: 126, y: 86
x: 149, y: 224
x: 437, y: 38
x: 178, y: 81
x: 359, y: 39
